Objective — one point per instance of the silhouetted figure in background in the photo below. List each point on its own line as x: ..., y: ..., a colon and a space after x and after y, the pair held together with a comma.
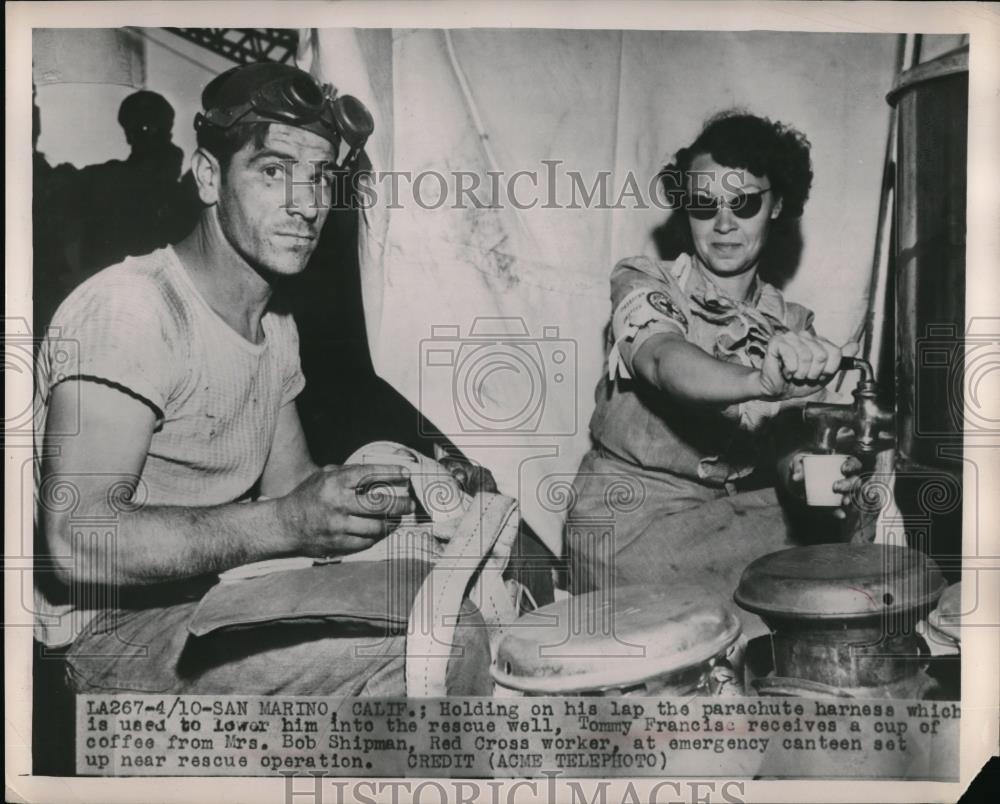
x: 88, y: 219
x: 55, y: 228
x: 128, y: 204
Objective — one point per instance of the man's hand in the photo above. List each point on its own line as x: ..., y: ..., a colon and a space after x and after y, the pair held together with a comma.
x: 798, y: 364
x: 846, y: 486
x: 343, y: 509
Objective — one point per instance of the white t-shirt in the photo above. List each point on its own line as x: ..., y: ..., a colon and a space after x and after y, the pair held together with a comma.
x: 142, y: 326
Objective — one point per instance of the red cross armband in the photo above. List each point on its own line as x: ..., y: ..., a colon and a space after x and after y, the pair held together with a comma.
x: 640, y: 314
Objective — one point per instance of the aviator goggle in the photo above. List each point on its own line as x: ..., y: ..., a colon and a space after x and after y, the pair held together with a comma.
x: 300, y: 101
x: 704, y: 207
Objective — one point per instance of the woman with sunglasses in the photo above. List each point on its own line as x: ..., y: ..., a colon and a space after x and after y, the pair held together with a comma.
x: 703, y: 355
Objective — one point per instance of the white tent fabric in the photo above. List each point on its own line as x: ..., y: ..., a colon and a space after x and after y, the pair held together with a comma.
x: 490, y: 319
x: 88, y: 56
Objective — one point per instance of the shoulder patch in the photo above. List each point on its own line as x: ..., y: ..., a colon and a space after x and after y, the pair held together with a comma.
x: 662, y: 303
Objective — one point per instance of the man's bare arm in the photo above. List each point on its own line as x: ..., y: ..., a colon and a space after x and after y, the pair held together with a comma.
x: 324, y: 515
x: 289, y: 462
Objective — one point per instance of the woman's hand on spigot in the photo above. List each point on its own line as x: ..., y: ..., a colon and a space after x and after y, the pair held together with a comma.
x: 798, y: 364
x: 846, y: 487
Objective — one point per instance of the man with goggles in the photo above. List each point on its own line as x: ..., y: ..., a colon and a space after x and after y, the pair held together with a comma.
x: 702, y: 356
x: 290, y: 96
x: 175, y: 420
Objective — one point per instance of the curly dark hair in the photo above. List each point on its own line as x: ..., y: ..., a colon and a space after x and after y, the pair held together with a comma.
x: 223, y: 143
x: 737, y: 139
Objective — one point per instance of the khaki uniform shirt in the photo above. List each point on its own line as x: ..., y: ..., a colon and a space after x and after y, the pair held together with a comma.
x: 643, y: 426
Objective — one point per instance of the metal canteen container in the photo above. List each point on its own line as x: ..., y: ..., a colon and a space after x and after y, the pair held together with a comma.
x: 931, y: 102
x: 843, y: 619
x: 633, y: 640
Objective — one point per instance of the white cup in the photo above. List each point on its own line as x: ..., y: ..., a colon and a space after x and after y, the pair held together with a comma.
x: 821, y: 472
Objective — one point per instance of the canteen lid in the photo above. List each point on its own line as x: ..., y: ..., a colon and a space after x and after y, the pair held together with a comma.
x: 954, y: 62
x: 612, y: 638
x: 836, y: 581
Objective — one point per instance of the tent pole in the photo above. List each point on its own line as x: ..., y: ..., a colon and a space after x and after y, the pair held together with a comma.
x: 872, y: 326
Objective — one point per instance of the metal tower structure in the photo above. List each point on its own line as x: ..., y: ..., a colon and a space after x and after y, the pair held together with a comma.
x: 245, y: 45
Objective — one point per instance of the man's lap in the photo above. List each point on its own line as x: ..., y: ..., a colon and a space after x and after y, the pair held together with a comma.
x: 151, y: 651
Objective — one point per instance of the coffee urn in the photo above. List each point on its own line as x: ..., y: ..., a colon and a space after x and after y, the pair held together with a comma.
x: 931, y: 101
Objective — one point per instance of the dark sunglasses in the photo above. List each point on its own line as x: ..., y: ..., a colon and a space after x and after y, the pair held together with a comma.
x: 705, y: 207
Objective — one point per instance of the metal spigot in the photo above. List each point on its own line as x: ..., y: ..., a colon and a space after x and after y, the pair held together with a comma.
x: 865, y: 418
